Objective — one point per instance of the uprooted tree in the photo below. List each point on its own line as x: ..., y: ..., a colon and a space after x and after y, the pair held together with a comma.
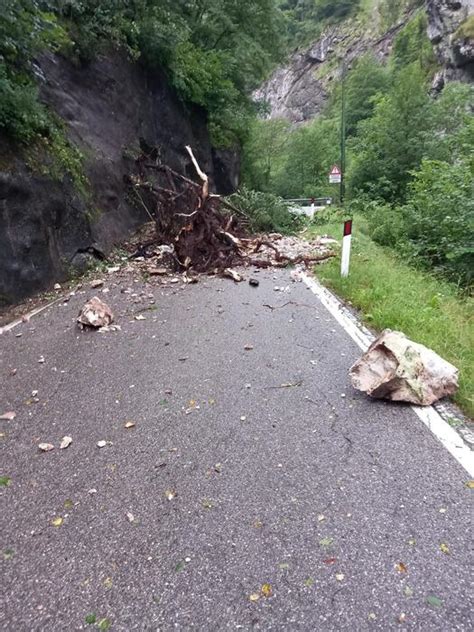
x: 205, y: 231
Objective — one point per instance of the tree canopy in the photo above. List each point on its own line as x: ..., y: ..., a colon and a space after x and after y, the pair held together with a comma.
x: 215, y: 52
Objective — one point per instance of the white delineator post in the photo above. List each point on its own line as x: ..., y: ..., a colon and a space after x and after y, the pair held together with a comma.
x: 346, y: 248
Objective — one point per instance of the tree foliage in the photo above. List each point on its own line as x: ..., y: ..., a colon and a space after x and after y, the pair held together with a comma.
x: 24, y: 31
x: 214, y: 51
x: 391, y: 143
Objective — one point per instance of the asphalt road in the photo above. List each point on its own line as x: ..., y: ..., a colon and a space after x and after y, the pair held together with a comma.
x: 304, y: 507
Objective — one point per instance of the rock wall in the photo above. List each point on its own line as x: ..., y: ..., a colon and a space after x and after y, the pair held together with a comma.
x: 454, y: 47
x: 109, y: 107
x: 300, y: 90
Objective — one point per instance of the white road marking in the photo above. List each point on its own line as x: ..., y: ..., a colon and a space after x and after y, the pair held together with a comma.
x: 28, y: 316
x: 363, y: 338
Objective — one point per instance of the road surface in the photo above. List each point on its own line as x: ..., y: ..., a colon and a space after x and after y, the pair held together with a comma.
x: 296, y: 503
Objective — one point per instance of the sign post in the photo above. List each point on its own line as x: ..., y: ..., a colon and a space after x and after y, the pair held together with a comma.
x: 335, y: 175
x: 346, y: 248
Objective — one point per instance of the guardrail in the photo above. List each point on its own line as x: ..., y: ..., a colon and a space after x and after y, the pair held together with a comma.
x: 318, y: 202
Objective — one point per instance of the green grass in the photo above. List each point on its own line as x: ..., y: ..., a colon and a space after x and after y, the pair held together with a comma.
x: 391, y: 294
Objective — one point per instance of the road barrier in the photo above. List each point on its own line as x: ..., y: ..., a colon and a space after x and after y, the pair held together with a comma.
x: 308, y: 206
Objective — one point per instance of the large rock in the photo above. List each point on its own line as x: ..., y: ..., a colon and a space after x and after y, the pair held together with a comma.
x: 95, y: 313
x: 399, y: 369
x: 447, y: 21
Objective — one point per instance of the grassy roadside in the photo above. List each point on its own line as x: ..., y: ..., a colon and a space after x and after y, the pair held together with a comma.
x: 391, y: 294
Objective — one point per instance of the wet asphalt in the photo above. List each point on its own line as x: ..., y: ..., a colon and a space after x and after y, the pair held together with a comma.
x: 296, y: 503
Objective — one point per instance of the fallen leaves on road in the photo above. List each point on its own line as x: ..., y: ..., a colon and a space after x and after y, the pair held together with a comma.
x: 326, y: 542
x: 8, y: 554
x: 129, y: 424
x: 340, y: 577
x: 432, y: 600
x: 408, y: 592
x: 330, y: 560
x: 8, y: 416
x: 444, y: 548
x: 469, y: 484
x: 57, y: 522
x: 308, y: 582
x: 171, y: 494
x: 284, y: 566
x: 400, y: 567
x: 104, y: 624
x: 207, y: 504
x: 265, y: 591
x: 5, y: 481
x: 130, y: 516
x: 46, y: 447
x: 65, y: 443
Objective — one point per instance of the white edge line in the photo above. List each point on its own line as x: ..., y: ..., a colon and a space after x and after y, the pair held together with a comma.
x: 29, y: 315
x: 428, y: 415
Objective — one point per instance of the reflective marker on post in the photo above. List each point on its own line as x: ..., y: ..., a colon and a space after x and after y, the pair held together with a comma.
x: 346, y: 248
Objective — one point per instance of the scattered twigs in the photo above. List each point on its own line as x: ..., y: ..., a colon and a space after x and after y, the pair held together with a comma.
x: 201, y: 231
x: 288, y: 385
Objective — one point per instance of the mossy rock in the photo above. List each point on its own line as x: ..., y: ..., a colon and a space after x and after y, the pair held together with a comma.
x: 466, y: 30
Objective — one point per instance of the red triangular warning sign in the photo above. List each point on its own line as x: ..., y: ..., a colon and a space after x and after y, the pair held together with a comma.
x: 335, y: 171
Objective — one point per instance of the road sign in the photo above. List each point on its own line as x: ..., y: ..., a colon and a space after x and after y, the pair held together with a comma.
x: 335, y: 176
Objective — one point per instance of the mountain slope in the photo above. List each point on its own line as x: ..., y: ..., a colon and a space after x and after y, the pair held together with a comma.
x: 300, y: 89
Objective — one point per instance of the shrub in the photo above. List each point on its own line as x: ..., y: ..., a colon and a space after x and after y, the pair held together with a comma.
x: 439, y: 219
x: 265, y: 212
x: 434, y: 228
x: 22, y: 116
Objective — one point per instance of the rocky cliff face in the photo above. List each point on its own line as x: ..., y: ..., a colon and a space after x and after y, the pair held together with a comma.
x: 299, y: 91
x: 47, y: 228
x: 451, y: 29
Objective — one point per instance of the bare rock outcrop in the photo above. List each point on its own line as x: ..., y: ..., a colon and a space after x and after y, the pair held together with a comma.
x: 300, y: 90
x: 398, y: 369
x: 450, y: 25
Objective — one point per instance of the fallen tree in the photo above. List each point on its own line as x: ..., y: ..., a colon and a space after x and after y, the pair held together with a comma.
x: 200, y: 231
